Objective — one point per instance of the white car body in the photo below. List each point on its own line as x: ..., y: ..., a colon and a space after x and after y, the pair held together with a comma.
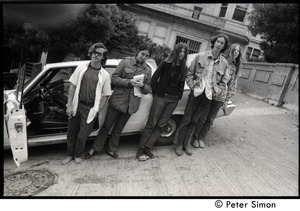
x: 16, y: 122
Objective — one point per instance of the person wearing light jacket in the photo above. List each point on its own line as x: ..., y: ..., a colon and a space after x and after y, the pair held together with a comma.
x: 124, y: 101
x: 89, y: 90
x: 233, y: 56
x: 208, y: 74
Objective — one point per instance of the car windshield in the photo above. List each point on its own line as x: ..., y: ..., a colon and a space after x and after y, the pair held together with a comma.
x: 29, y: 78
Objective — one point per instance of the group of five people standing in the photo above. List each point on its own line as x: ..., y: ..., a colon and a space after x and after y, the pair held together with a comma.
x: 211, y: 78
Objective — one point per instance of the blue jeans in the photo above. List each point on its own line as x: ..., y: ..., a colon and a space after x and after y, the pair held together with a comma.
x: 202, y: 128
x: 160, y: 113
x: 78, y: 131
x: 116, y: 117
x: 196, y: 109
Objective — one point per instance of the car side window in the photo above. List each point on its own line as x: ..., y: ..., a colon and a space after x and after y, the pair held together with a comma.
x: 62, y: 76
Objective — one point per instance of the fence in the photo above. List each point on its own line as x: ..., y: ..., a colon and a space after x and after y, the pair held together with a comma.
x: 277, y: 83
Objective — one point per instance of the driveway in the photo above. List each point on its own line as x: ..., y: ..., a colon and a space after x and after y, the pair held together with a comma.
x: 252, y: 152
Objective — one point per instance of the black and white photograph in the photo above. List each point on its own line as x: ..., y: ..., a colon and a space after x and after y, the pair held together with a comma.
x: 151, y: 100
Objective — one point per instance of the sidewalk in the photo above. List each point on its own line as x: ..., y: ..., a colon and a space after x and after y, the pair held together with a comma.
x: 252, y: 152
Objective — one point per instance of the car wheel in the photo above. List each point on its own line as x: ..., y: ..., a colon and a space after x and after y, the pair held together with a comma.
x: 166, y: 138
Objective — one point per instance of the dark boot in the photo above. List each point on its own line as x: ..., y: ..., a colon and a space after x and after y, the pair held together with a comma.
x: 148, y: 152
x: 187, y: 146
x: 178, y: 150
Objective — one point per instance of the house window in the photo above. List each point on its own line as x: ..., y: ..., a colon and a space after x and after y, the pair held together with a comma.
x: 249, y: 52
x: 253, y: 53
x: 240, y: 12
x: 196, y: 13
x: 144, y: 28
x: 194, y: 46
x: 159, y: 35
x: 223, y: 10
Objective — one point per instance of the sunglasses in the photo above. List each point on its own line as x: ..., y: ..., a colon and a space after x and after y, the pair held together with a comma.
x: 97, y: 53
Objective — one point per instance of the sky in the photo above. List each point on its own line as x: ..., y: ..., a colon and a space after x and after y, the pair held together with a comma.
x: 43, y: 15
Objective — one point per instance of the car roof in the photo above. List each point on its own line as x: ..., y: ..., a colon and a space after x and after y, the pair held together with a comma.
x: 109, y: 62
x: 190, y: 58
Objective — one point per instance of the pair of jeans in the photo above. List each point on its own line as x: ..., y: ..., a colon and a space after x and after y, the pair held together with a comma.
x: 196, y: 110
x: 160, y: 113
x: 202, y: 128
x: 78, y: 131
x: 116, y: 117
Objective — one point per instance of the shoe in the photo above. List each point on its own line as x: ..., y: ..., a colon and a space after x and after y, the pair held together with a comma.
x: 201, y: 144
x: 179, y: 150
x: 143, y: 157
x: 188, y: 150
x: 195, y: 143
x: 87, y: 156
x: 148, y: 152
x: 78, y: 160
x: 187, y: 147
x: 66, y: 160
x: 139, y: 153
x: 113, y: 154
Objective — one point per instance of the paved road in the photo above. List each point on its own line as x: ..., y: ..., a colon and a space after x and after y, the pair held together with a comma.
x: 252, y: 152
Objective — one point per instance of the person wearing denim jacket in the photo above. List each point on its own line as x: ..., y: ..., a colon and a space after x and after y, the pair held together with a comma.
x: 167, y: 88
x: 207, y: 77
x: 123, y: 102
x: 233, y: 57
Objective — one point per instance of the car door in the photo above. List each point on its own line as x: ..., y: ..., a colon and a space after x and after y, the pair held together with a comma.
x: 15, y: 120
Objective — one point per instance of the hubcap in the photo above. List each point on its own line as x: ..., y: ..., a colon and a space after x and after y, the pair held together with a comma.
x: 169, y: 129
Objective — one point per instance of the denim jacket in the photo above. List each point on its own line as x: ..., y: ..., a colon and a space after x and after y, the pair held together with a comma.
x: 123, y: 98
x: 220, y: 74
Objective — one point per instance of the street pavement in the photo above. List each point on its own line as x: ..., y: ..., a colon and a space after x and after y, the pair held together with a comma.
x: 252, y: 152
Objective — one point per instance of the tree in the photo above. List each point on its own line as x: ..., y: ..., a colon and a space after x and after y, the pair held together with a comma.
x: 97, y: 23
x: 160, y: 52
x: 105, y: 23
x: 278, y: 26
x: 25, y: 39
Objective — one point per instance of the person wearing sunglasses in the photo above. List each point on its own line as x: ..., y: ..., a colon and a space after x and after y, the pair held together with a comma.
x: 90, y: 87
x: 131, y: 74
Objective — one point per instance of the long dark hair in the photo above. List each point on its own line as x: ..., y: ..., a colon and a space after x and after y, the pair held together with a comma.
x: 229, y: 57
x: 174, y: 56
x: 214, y: 39
x: 144, y: 46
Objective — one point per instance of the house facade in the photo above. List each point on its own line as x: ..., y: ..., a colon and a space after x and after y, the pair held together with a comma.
x: 195, y: 24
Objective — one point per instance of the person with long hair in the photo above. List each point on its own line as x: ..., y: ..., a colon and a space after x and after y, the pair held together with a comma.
x: 234, y: 57
x: 132, y: 73
x: 88, y: 93
x: 167, y: 88
x: 207, y: 74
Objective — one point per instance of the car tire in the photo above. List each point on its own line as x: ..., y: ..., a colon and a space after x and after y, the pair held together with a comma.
x: 167, y: 138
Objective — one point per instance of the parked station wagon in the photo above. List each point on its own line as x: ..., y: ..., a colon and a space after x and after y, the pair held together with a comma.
x: 35, y: 110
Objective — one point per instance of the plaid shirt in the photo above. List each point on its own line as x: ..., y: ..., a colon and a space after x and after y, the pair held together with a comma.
x: 232, y: 84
